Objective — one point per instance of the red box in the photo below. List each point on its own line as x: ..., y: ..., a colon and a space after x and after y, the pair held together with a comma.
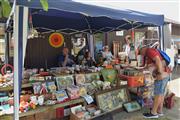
x: 59, y: 113
x: 133, y: 81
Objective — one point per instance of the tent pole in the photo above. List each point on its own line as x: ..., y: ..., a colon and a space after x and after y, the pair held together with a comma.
x: 16, y: 64
x: 161, y: 37
x: 90, y: 38
x: 20, y: 33
x: 106, y: 38
x: 25, y: 30
x: 7, y: 47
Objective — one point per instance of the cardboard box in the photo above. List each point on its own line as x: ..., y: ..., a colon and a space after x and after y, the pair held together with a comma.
x: 74, y: 117
x: 59, y: 113
x: 47, y: 115
x: 31, y: 117
x: 67, y: 112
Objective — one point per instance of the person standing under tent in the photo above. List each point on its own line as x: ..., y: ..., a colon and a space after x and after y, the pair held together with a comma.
x: 161, y: 73
x: 126, y: 46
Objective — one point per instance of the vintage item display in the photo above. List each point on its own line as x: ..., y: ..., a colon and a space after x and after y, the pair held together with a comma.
x: 80, y: 79
x: 4, y: 103
x: 51, y: 86
x: 74, y: 85
x: 112, y: 99
x: 122, y: 57
x: 116, y: 48
x: 89, y: 77
x: 73, y: 92
x: 43, y: 89
x: 64, y: 81
x: 132, y: 106
x: 37, y: 88
x: 109, y: 75
x: 84, y: 113
x: 61, y: 95
x: 134, y: 77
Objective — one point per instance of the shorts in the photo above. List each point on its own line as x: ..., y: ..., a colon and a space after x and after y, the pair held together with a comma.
x: 160, y: 86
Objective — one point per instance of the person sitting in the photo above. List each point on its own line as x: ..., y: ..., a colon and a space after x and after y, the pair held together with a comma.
x: 65, y: 59
x: 88, y: 60
x: 80, y: 55
x: 107, y: 55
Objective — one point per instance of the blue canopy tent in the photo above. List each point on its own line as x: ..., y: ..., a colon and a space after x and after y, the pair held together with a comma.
x: 67, y: 15
x: 95, y: 11
x: 96, y: 17
x: 64, y: 21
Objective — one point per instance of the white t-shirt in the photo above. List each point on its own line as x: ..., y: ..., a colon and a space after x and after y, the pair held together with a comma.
x: 108, y: 55
x: 126, y: 49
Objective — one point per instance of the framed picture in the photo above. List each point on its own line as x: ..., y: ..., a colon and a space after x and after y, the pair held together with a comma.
x: 109, y: 75
x: 80, y: 79
x: 64, y: 81
x: 61, y: 95
x: 91, y: 77
x: 132, y: 106
x: 51, y: 86
x: 112, y: 99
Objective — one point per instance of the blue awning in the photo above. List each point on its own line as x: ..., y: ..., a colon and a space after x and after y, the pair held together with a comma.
x: 67, y: 14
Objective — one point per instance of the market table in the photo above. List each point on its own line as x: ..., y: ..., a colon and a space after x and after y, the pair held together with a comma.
x: 9, y: 88
x: 44, y: 108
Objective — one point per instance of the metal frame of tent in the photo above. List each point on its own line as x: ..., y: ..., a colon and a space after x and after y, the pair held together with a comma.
x: 20, y: 11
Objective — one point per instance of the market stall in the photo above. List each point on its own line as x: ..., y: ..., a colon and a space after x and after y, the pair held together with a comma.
x: 61, y: 87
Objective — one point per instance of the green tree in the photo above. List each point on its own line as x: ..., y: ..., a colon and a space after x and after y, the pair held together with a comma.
x: 5, y: 7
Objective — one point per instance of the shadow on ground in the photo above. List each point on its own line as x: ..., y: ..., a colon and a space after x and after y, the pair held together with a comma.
x: 170, y: 114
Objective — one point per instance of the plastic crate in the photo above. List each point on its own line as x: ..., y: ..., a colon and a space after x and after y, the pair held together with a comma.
x: 133, y: 81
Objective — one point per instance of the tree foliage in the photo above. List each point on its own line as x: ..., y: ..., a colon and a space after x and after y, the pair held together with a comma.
x: 5, y: 7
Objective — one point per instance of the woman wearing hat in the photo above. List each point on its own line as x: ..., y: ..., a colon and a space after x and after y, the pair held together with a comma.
x: 107, y: 55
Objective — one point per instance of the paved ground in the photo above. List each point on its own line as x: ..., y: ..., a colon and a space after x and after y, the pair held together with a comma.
x: 174, y: 84
x: 176, y: 73
x: 170, y: 114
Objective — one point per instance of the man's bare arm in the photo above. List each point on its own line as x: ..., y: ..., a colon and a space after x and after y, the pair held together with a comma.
x: 158, y: 63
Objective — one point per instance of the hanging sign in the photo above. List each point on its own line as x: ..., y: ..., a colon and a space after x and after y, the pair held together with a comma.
x: 56, y: 40
x: 119, y: 33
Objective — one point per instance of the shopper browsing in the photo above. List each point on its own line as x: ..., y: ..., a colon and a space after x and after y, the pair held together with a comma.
x: 65, y: 59
x: 159, y: 69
